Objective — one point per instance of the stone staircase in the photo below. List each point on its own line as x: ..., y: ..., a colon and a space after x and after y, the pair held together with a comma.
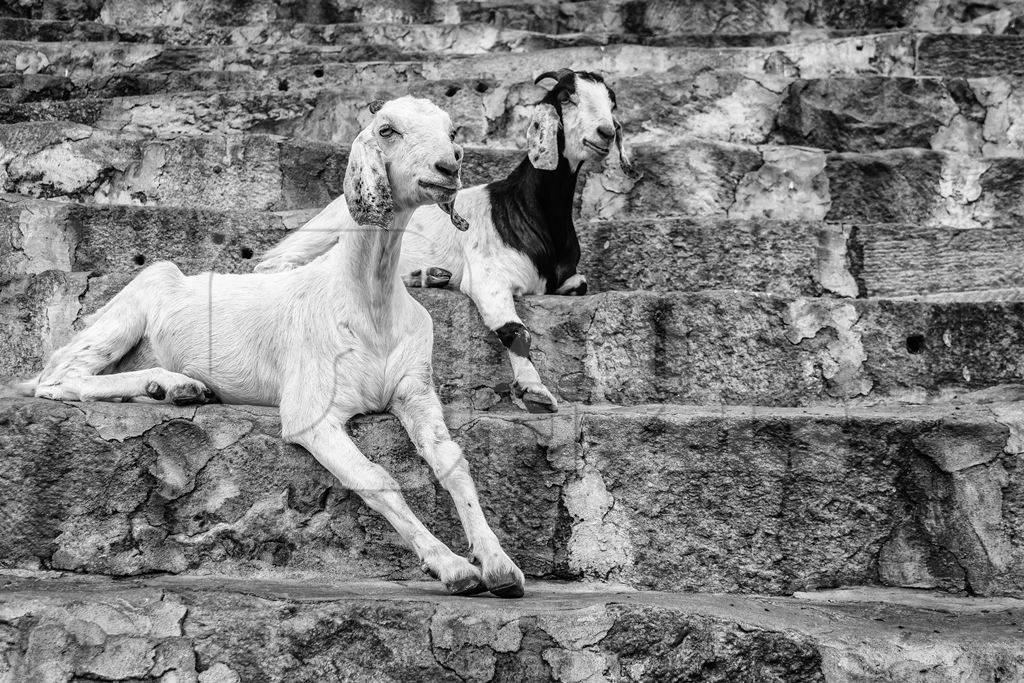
x: 790, y: 441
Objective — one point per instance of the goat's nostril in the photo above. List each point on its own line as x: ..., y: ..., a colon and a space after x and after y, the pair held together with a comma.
x: 606, y: 132
x: 448, y: 167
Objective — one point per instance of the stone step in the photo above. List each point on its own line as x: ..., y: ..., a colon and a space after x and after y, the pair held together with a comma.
x: 886, y: 55
x: 217, y: 629
x: 71, y: 161
x: 348, y: 43
x: 633, y: 347
x: 855, y: 114
x: 264, y: 68
x: 648, y: 16
x: 348, y: 64
x: 431, y: 36
x: 686, y: 176
x: 651, y: 107
x: 665, y: 497
x: 788, y: 258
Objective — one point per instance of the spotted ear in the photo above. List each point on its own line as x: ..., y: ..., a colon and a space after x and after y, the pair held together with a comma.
x: 625, y: 159
x: 367, y: 188
x: 542, y: 137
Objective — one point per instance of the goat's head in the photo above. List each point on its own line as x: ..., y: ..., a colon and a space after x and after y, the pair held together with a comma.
x: 406, y: 157
x: 581, y: 107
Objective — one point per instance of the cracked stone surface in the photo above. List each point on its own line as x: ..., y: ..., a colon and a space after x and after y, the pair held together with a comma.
x: 659, y: 16
x: 863, y: 114
x: 737, y: 499
x: 639, y: 347
x: 222, y: 630
x: 784, y: 257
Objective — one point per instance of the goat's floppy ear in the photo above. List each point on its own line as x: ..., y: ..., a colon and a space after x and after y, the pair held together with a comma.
x: 367, y: 188
x: 542, y: 137
x: 624, y: 157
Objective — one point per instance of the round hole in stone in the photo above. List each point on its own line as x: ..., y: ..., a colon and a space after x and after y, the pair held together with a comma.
x: 482, y: 87
x: 318, y: 72
x: 139, y: 259
x: 217, y: 238
x: 246, y: 252
x: 452, y: 91
x: 915, y: 343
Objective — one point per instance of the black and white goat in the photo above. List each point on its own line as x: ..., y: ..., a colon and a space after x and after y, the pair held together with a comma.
x: 335, y: 338
x: 521, y: 237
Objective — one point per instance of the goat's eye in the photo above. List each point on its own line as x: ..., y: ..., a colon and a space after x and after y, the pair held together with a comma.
x: 563, y: 96
x: 386, y: 131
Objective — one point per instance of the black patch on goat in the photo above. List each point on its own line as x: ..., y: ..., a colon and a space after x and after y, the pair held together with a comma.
x: 516, y: 338
x: 532, y: 209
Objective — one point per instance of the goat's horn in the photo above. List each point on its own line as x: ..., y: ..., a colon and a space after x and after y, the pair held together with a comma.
x: 376, y: 106
x: 557, y: 75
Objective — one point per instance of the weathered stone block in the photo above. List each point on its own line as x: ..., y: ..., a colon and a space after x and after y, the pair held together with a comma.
x: 737, y: 499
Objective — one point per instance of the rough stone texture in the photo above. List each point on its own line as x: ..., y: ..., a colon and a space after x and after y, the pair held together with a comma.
x: 464, y: 38
x: 977, y: 116
x: 782, y: 257
x: 884, y: 54
x: 723, y: 102
x: 80, y: 60
x: 629, y: 348
x: 841, y: 114
x: 36, y: 236
x: 794, y: 258
x: 725, y: 106
x: 971, y: 56
x: 720, y: 179
x: 742, y: 499
x: 659, y: 16
x: 253, y: 172
x: 476, y: 37
x: 217, y: 630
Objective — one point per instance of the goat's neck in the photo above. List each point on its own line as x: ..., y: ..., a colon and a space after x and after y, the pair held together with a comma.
x: 553, y: 192
x: 368, y: 267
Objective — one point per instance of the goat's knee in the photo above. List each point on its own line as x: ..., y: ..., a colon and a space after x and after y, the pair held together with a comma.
x: 516, y: 338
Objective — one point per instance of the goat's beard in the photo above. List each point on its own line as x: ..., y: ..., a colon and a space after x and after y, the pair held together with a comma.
x: 458, y: 221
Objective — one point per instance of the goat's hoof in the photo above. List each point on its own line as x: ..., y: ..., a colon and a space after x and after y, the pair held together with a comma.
x: 508, y: 585
x: 155, y: 391
x: 434, y: 277
x: 181, y: 394
x: 511, y: 591
x: 189, y: 394
x: 469, y: 585
x: 534, y: 398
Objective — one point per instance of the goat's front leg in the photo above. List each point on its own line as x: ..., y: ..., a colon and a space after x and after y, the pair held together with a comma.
x: 417, y: 406
x: 329, y: 442
x: 498, y: 310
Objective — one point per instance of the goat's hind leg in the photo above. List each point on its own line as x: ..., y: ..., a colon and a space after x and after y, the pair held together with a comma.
x: 157, y: 384
x: 416, y: 405
x: 73, y: 372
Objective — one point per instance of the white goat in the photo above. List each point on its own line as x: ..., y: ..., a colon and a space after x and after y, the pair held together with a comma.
x: 327, y: 341
x: 521, y: 238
